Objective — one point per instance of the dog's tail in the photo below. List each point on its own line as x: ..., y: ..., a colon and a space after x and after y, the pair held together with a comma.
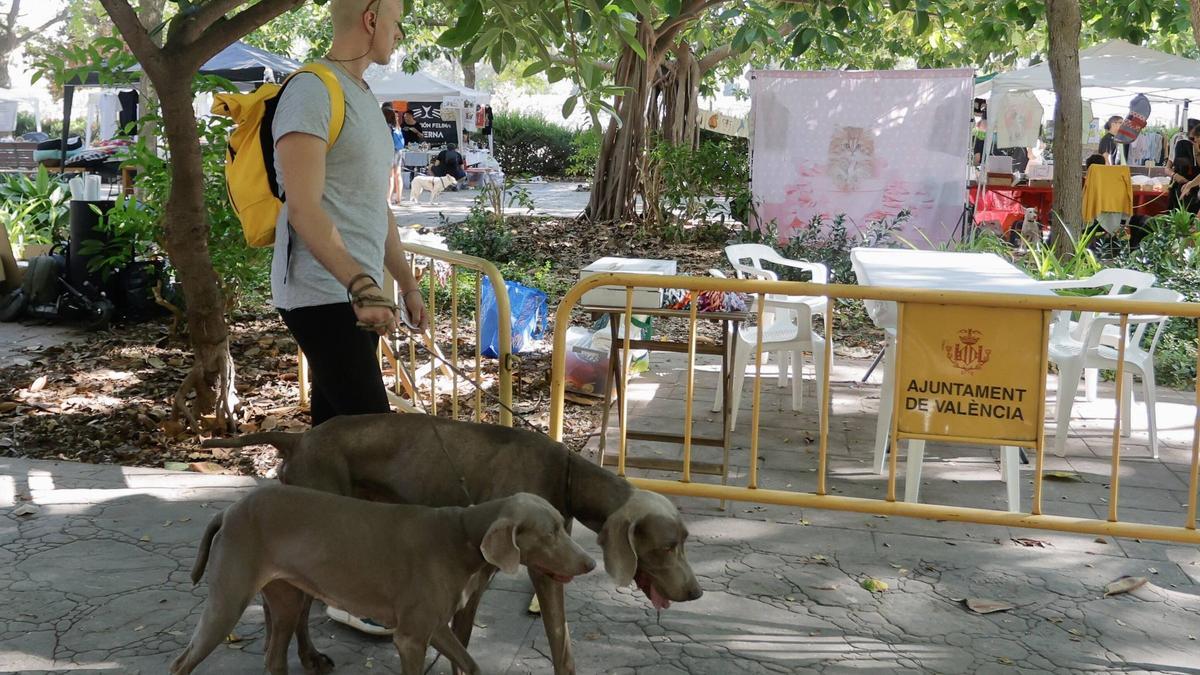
x: 205, y: 544
x: 284, y: 441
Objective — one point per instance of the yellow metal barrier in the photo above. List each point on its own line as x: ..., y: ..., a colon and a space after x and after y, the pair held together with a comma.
x: 1186, y: 532
x: 425, y: 261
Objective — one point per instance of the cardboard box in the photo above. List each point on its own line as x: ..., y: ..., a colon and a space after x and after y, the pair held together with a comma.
x: 1041, y: 182
x: 614, y: 296
x: 1003, y: 179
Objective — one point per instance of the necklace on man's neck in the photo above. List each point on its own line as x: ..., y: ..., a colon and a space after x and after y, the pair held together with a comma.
x: 359, y: 80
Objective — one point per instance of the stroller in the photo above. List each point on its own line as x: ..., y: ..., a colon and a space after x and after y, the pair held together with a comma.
x: 46, y: 293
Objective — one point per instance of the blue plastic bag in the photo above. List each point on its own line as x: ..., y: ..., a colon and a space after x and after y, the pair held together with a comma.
x: 529, y: 311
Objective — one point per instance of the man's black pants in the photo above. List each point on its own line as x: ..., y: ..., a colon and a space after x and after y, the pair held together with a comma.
x: 343, y: 359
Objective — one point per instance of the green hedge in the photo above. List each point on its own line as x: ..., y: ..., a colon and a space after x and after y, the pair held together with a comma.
x: 529, y: 145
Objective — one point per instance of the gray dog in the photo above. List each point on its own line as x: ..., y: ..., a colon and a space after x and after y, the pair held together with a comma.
x: 411, y: 566
x: 421, y: 459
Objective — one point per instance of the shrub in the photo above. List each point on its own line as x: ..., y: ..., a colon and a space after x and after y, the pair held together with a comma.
x: 528, y: 145
x: 586, y: 154
x: 694, y: 188
x: 34, y: 210
x: 828, y: 241
x: 1171, y: 252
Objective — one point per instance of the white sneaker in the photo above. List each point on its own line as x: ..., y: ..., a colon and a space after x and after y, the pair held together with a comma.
x: 360, y: 624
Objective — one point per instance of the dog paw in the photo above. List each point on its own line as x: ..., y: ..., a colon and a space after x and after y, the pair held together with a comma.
x: 317, y: 664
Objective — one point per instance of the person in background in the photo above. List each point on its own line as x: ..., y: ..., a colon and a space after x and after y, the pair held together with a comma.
x: 1109, y: 147
x: 1181, y: 144
x: 449, y: 162
x: 396, y: 184
x: 1185, y: 174
x: 411, y: 128
x: 1094, y: 159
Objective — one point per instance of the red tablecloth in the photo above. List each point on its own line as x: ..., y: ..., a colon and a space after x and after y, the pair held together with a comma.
x: 1007, y: 204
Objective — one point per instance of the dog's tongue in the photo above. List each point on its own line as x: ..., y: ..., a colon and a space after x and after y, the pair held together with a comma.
x: 657, y: 599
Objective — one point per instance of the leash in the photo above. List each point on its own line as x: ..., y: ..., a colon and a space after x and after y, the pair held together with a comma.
x: 415, y: 334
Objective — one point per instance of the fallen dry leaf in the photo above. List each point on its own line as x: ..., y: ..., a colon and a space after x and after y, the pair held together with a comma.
x: 8, y: 406
x: 38, y: 384
x: 25, y: 509
x: 1124, y: 585
x: 984, y: 606
x: 873, y: 585
x: 1063, y: 476
x: 1030, y: 542
x: 206, y: 467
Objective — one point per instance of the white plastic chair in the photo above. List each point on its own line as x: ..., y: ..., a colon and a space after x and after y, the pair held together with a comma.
x: 1116, y: 280
x: 793, y: 338
x: 747, y: 262
x: 1093, y: 350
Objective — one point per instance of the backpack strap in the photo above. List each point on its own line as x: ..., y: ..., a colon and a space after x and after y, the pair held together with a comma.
x: 337, y: 99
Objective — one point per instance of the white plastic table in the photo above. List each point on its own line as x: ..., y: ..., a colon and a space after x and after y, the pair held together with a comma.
x: 931, y: 270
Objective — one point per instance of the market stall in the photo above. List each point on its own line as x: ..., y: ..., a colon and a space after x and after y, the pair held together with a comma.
x: 1111, y: 74
x: 444, y: 110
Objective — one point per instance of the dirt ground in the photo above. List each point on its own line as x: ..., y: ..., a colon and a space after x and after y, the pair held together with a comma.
x: 107, y: 399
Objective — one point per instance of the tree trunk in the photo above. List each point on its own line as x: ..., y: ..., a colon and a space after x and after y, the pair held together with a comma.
x: 5, y: 79
x: 1195, y: 14
x: 186, y: 235
x: 615, y: 186
x: 1063, y: 20
x: 469, y: 75
x: 675, y: 99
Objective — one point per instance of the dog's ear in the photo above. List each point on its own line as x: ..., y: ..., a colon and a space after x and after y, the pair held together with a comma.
x: 616, y: 539
x: 499, y: 546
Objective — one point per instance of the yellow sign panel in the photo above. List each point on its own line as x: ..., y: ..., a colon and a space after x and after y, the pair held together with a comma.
x: 971, y: 372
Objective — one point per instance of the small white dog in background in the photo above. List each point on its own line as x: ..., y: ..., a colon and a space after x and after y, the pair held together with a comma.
x: 434, y: 184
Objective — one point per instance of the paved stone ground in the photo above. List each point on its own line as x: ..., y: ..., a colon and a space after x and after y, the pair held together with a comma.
x: 550, y: 199
x: 97, y: 579
x: 17, y: 338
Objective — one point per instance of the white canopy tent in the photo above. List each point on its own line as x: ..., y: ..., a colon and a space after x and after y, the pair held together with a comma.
x: 402, y: 86
x: 1112, y: 73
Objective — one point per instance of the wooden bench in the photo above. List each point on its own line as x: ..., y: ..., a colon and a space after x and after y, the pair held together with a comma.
x: 18, y: 157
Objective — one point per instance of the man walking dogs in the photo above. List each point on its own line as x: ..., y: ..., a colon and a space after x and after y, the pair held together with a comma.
x: 336, y: 233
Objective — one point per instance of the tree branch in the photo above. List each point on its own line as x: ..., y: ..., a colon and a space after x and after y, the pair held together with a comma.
x: 563, y: 60
x: 225, y: 31
x: 10, y: 23
x: 719, y: 54
x: 666, y: 32
x: 139, y: 41
x: 37, y: 31
x: 208, y: 14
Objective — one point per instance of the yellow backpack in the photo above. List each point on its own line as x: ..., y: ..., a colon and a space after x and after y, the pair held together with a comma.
x: 250, y: 156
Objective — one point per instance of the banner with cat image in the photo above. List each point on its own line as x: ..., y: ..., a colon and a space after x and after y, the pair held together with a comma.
x: 867, y: 144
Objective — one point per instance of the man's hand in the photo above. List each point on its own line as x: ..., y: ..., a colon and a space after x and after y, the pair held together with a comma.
x: 416, y: 309
x: 381, y: 320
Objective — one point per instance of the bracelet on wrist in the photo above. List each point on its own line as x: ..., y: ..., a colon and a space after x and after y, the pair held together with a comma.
x: 359, y: 277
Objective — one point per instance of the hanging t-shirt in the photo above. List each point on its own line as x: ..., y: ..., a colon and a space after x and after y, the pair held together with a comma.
x: 1019, y: 120
x: 1147, y: 147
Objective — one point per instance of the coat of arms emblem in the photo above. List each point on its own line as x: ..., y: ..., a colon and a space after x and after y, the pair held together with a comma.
x: 967, y: 354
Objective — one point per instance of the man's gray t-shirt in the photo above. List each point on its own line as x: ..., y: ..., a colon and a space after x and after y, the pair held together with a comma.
x: 356, y: 182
